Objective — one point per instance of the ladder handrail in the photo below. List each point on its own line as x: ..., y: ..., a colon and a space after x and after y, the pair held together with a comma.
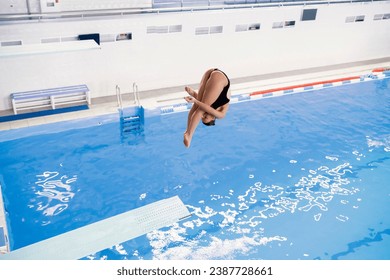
x: 136, y: 95
x: 119, y: 97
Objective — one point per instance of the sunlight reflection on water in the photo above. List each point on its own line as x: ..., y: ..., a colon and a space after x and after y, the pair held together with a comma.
x: 54, y: 193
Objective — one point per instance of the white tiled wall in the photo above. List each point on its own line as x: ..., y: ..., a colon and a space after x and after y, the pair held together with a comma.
x: 157, y: 60
x: 13, y: 7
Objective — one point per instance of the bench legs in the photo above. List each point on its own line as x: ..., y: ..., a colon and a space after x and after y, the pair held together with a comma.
x: 53, y: 105
x: 88, y: 97
x: 14, y: 107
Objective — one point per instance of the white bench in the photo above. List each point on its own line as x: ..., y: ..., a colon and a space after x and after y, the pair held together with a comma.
x: 50, y: 98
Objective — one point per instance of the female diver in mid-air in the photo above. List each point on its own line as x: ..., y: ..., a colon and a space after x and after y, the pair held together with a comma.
x: 210, y: 102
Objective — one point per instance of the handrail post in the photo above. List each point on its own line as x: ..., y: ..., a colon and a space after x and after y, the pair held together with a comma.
x: 119, y: 97
x: 135, y: 92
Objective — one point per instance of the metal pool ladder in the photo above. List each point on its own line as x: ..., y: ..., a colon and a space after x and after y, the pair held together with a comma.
x: 131, y: 117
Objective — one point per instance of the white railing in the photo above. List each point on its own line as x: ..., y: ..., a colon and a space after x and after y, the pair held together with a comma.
x: 175, y: 6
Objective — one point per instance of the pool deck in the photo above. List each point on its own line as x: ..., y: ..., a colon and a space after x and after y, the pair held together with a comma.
x: 169, y: 96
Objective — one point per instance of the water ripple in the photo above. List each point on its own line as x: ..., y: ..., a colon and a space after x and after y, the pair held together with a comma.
x: 54, y: 193
x: 239, y: 217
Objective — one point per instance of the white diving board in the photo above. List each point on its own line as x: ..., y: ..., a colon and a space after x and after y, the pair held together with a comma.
x: 59, y: 47
x: 104, y: 234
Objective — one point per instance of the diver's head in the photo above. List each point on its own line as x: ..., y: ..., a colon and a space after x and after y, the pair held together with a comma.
x: 208, y: 119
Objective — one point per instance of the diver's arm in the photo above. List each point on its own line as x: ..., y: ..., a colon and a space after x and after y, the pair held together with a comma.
x: 219, y: 114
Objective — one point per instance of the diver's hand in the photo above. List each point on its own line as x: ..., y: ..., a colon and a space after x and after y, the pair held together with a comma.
x: 190, y: 99
x: 191, y: 92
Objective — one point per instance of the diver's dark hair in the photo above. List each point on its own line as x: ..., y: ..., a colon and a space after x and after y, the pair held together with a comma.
x: 210, y: 123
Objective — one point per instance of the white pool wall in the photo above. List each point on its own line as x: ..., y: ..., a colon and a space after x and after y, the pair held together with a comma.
x: 156, y: 61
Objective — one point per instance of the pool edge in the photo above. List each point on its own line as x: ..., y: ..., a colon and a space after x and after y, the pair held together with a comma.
x: 4, y: 243
x: 237, y: 97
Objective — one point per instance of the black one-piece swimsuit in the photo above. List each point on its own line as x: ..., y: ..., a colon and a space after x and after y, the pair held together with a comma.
x: 222, y: 98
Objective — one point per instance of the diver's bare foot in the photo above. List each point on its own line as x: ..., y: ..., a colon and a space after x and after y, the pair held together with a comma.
x: 187, y: 140
x: 191, y: 92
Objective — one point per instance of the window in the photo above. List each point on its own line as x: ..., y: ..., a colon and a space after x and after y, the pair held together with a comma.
x: 359, y: 18
x: 255, y: 26
x: 216, y: 29
x: 279, y: 24
x: 11, y: 43
x: 59, y: 39
x: 202, y: 30
x: 283, y: 24
x: 175, y: 28
x: 309, y: 14
x: 163, y: 29
x: 157, y: 29
x: 381, y: 16
x: 208, y: 30
x: 123, y: 36
x: 289, y: 23
x: 106, y: 38
x: 247, y: 27
x: 354, y: 19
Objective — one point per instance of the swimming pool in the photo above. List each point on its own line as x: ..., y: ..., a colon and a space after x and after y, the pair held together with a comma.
x: 303, y: 176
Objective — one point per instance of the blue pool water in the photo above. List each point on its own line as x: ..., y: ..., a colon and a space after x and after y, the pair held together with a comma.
x: 303, y: 176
